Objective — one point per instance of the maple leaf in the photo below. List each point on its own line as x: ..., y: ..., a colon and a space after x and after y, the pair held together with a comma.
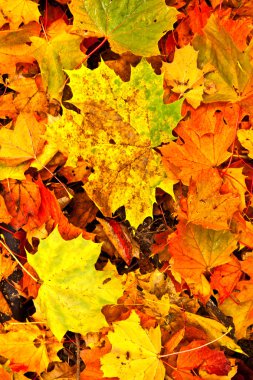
x: 186, y: 80
x: 207, y: 205
x: 66, y: 296
x: 241, y: 299
x: 214, y: 362
x: 53, y: 56
x: 205, y: 145
x: 23, y: 143
x: 29, y: 96
x: 22, y: 199
x: 17, y: 12
x: 233, y: 68
x: 14, y: 47
x: 115, y: 135
x: 116, y: 21
x: 38, y: 347
x: 225, y: 278
x: 197, y: 250
x: 134, y: 351
x: 138, y: 102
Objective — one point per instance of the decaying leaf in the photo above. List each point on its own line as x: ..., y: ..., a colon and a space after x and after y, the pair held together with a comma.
x: 115, y: 134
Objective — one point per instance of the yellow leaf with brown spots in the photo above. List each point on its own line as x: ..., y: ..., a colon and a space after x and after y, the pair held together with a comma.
x: 115, y: 133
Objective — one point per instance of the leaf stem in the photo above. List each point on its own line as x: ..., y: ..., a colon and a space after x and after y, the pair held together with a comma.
x: 195, y: 348
x: 77, y: 338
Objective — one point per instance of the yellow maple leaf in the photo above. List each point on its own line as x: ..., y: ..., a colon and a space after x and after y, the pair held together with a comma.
x: 17, y: 12
x: 135, y: 352
x: 184, y: 75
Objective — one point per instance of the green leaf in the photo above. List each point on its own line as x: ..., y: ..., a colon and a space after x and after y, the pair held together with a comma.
x: 129, y: 25
x: 73, y: 292
x: 119, y: 124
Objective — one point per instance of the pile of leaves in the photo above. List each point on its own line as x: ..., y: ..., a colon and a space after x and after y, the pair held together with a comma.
x: 126, y: 152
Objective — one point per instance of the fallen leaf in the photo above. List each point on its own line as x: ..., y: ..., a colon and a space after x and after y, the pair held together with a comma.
x: 17, y: 12
x: 212, y: 361
x: 117, y: 142
x: 120, y: 237
x: 22, y: 200
x: 67, y: 269
x: 240, y: 300
x: 197, y: 250
x: 214, y: 330
x: 135, y: 352
x: 245, y: 137
x: 53, y: 57
x: 23, y: 143
x: 150, y: 20
x: 232, y: 75
x: 37, y: 351
x: 225, y: 278
x: 207, y: 205
x: 206, y: 141
x: 91, y: 358
x: 185, y: 80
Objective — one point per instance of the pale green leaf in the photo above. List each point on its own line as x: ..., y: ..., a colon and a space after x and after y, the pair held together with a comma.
x: 129, y: 25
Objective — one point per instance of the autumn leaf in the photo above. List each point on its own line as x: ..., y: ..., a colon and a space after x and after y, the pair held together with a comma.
x: 245, y: 137
x: 186, y: 80
x: 53, y: 56
x: 211, y: 361
x: 225, y: 278
x: 134, y: 352
x: 66, y: 296
x: 91, y: 358
x: 207, y: 205
x: 17, y: 12
x: 138, y: 102
x: 38, y: 348
x: 23, y: 143
x: 197, y: 250
x: 233, y: 67
x: 121, y: 239
x: 14, y: 47
x: 203, y: 143
x: 123, y: 24
x: 118, y: 127
x: 240, y: 299
x: 22, y: 200
x: 29, y: 96
x: 214, y: 330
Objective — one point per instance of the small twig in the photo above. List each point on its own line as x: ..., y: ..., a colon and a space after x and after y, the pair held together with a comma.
x: 78, y: 362
x: 17, y: 260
